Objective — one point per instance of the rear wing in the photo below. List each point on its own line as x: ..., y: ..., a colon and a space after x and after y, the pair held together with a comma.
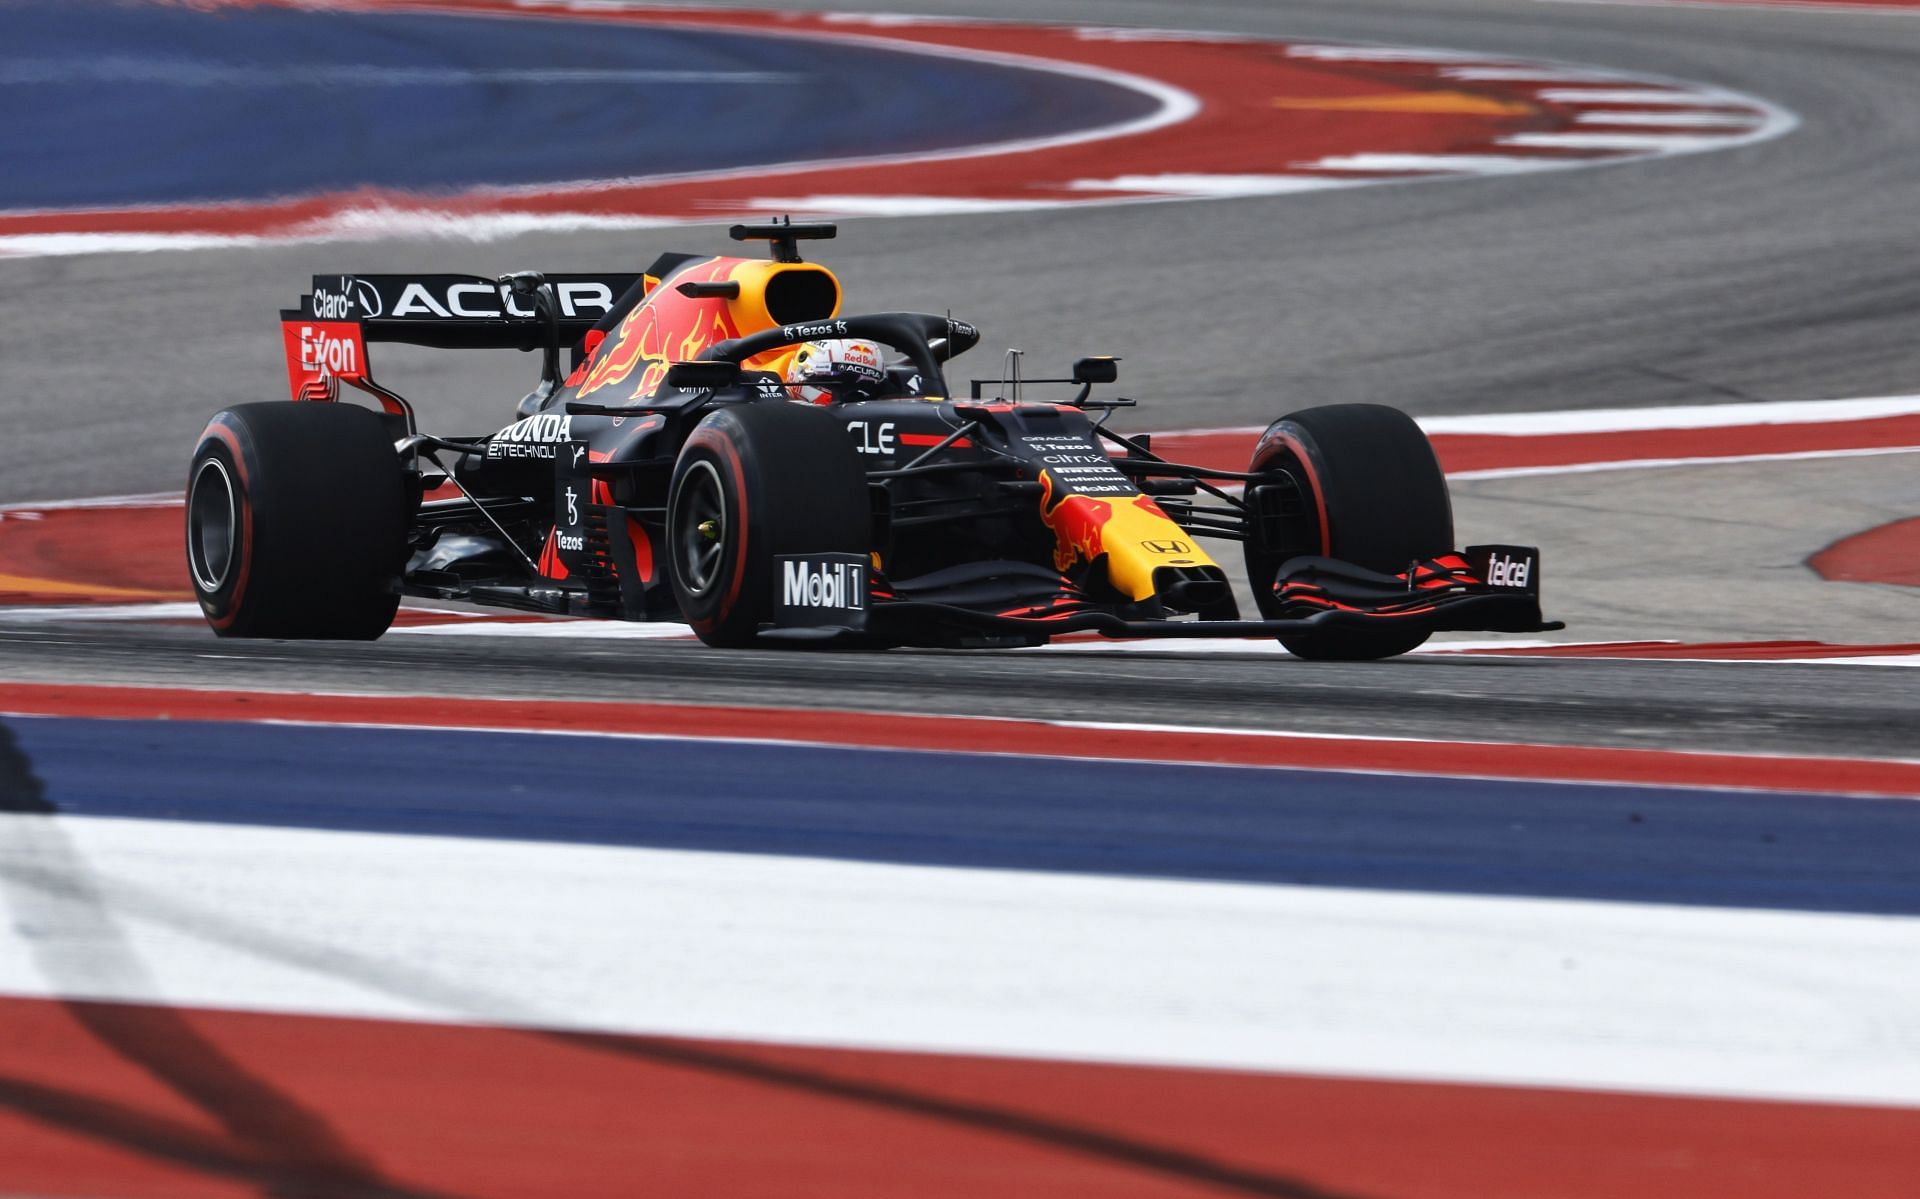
x: 326, y: 336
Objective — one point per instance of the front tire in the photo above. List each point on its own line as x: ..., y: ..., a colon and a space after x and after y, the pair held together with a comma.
x: 296, y: 522
x: 754, y: 482
x: 1374, y: 496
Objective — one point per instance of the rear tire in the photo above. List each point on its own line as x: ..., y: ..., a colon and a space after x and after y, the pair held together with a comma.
x: 1375, y: 497
x: 752, y: 483
x: 296, y: 522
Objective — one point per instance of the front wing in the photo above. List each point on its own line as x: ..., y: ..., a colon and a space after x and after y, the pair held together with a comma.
x: 1492, y: 588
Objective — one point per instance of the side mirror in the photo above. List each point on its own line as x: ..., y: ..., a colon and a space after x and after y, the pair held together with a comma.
x: 705, y: 375
x: 1096, y: 370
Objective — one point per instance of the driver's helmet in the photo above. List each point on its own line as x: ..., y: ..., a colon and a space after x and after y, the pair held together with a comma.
x: 835, y: 371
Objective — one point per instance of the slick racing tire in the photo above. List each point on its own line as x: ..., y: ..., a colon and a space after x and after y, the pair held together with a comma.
x: 754, y: 482
x: 296, y: 522
x: 1374, y: 496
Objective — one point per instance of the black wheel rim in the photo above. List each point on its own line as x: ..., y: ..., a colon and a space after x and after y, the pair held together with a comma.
x: 213, y: 519
x: 700, y: 528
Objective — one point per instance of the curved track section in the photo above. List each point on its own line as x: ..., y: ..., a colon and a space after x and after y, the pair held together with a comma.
x: 739, y: 112
x: 1765, y: 273
x: 492, y: 102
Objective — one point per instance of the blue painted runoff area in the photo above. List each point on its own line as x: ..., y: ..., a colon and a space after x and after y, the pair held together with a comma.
x: 1625, y: 843
x: 113, y: 103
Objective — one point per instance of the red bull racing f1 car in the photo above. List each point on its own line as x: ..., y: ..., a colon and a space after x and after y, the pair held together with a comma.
x: 728, y: 449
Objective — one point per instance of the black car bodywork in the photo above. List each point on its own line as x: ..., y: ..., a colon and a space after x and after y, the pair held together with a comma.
x: 667, y: 476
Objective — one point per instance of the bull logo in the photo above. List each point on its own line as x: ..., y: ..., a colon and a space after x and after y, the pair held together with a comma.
x: 665, y: 326
x: 1077, y: 522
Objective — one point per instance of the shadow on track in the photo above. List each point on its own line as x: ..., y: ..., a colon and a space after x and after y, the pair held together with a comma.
x: 271, y: 1141
x: 287, y: 1148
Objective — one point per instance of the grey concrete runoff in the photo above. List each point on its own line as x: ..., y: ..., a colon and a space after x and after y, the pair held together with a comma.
x: 1706, y: 553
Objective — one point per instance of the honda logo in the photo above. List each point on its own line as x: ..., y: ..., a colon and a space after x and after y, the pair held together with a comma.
x: 1166, y: 547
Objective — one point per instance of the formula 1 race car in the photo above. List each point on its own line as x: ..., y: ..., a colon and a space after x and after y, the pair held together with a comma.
x: 669, y: 476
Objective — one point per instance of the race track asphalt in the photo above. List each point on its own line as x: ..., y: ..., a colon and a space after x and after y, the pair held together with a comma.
x: 1782, y: 270
x: 1783, y: 708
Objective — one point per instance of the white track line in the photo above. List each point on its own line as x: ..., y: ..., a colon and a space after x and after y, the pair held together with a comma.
x: 1644, y: 420
x: 1457, y: 164
x: 1642, y: 95
x: 1880, y: 10
x: 1589, y: 468
x: 579, y: 630
x: 1545, y: 73
x: 1110, y: 33
x: 56, y: 614
x: 1354, y: 52
x: 1652, y: 143
x: 1213, y: 186
x: 1687, y: 416
x: 1641, y: 997
x: 1675, y: 120
x: 157, y: 499
x: 1267, y: 647
x: 876, y: 205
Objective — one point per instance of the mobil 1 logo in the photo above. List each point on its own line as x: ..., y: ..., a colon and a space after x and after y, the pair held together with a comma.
x: 812, y: 590
x: 1507, y: 567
